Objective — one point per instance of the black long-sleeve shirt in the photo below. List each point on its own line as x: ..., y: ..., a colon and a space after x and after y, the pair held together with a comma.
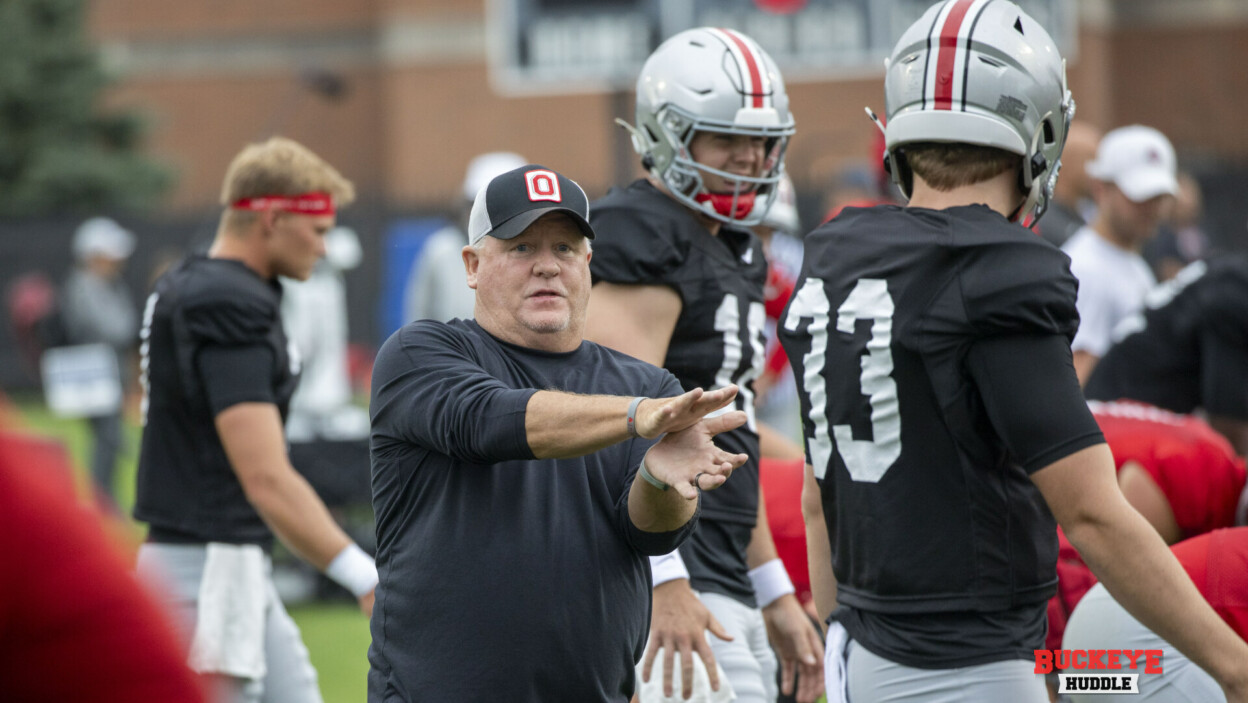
x: 503, y: 577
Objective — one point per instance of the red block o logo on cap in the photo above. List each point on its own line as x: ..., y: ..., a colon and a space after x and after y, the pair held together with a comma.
x: 543, y: 185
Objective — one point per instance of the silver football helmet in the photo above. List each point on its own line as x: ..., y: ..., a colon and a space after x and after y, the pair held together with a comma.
x: 714, y: 80
x: 980, y: 72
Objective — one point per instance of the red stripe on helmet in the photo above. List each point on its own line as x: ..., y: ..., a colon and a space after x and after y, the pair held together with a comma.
x: 751, y: 64
x: 948, y: 53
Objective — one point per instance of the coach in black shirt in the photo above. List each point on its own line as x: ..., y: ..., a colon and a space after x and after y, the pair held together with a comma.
x: 512, y: 536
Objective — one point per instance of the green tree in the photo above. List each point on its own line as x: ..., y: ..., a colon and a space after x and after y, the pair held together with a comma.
x: 59, y: 151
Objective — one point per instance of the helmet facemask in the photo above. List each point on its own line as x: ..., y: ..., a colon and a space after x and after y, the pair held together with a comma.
x: 751, y: 196
x: 1038, y: 184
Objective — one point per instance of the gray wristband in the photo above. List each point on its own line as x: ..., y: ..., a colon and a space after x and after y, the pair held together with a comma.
x: 631, y: 419
x: 649, y: 478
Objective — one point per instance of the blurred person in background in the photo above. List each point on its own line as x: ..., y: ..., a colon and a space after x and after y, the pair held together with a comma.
x: 315, y: 314
x: 1073, y: 199
x: 1175, y: 470
x: 1133, y: 179
x: 856, y: 186
x: 326, y: 427
x: 215, y: 483
x: 437, y: 287
x: 1217, y: 563
x: 1187, y: 350
x: 1181, y: 238
x: 97, y: 308
x: 780, y: 232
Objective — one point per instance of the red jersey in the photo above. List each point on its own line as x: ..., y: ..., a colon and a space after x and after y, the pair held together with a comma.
x: 1218, y: 564
x: 776, y: 296
x: 1195, y: 466
x: 781, y: 480
x: 77, y: 625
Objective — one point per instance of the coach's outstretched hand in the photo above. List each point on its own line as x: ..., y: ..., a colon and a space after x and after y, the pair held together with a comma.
x: 688, y: 460
x: 656, y: 416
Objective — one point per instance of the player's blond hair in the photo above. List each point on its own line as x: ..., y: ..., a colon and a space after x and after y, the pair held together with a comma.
x: 279, y: 167
x: 945, y: 166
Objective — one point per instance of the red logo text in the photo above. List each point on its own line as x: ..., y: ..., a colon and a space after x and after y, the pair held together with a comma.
x: 1098, y: 660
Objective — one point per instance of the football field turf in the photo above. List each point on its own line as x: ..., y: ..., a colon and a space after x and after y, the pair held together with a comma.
x: 337, y: 637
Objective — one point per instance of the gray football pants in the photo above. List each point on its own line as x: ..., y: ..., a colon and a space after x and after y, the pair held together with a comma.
x: 1099, y: 622
x: 747, y: 660
x: 875, y: 679
x: 748, y: 663
x: 174, y: 571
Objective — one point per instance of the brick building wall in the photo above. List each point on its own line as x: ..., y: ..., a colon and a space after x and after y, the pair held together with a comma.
x: 215, y: 74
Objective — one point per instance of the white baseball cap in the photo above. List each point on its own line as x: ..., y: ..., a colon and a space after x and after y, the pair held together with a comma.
x: 1137, y: 159
x: 101, y: 236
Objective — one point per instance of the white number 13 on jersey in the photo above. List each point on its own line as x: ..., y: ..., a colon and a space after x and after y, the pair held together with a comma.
x: 866, y: 460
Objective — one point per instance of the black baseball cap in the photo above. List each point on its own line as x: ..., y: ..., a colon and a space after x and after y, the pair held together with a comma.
x: 512, y: 201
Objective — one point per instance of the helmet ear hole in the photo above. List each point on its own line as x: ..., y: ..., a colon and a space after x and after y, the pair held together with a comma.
x: 1035, y: 166
x: 1049, y: 137
x: 1038, y: 165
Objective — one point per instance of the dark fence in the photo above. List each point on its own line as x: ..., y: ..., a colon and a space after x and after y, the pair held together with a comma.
x: 43, y: 247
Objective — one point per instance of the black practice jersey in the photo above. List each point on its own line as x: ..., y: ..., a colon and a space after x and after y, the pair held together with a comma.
x: 644, y: 237
x: 932, y: 353
x: 212, y: 337
x: 1188, y: 348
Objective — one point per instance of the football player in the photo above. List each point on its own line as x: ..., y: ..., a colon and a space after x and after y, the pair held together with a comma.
x: 214, y: 481
x: 1217, y: 563
x: 1187, y: 349
x: 678, y: 281
x: 1180, y: 474
x: 945, y: 426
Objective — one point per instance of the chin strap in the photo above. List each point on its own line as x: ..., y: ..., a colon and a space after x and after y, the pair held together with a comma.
x: 734, y: 205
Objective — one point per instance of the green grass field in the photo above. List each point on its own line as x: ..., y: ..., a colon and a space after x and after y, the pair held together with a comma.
x: 336, y: 634
x: 337, y: 637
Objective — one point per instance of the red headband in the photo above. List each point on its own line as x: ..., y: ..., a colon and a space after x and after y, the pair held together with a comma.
x: 304, y: 204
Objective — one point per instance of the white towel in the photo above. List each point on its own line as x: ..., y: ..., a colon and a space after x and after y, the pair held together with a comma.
x: 652, y: 691
x: 835, y: 674
x: 229, y: 629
